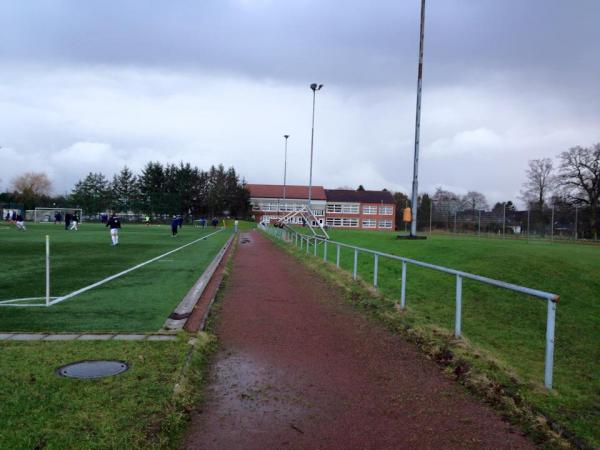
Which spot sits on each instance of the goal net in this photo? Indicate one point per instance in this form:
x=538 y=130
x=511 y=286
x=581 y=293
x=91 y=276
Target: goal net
x=53 y=214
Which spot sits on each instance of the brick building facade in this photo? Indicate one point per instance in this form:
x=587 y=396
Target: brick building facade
x=336 y=208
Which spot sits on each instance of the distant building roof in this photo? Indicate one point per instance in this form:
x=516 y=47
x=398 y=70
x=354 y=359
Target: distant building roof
x=347 y=195
x=291 y=191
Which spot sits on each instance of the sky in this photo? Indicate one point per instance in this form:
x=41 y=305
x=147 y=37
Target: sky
x=97 y=85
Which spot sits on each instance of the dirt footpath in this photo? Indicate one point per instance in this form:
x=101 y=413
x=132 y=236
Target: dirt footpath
x=298 y=368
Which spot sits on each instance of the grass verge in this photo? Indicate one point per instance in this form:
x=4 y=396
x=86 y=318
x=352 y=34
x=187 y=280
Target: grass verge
x=145 y=407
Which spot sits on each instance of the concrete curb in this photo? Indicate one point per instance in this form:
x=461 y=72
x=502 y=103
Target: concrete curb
x=86 y=337
x=176 y=321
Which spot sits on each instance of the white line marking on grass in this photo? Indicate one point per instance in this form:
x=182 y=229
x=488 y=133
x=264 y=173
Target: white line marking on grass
x=112 y=277
x=26 y=299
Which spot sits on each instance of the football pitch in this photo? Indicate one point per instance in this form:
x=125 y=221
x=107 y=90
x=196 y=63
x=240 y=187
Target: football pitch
x=508 y=326
x=138 y=301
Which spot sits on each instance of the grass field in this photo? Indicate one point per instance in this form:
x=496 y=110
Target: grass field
x=508 y=326
x=138 y=301
x=138 y=409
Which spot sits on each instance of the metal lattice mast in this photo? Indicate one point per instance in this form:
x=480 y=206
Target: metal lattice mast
x=415 y=185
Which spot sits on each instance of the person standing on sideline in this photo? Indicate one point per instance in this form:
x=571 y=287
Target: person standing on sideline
x=147 y=220
x=68 y=218
x=174 y=225
x=114 y=223
x=235 y=226
x=180 y=221
x=74 y=221
x=19 y=223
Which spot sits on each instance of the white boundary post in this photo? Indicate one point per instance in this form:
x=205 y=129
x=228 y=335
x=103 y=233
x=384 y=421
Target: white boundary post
x=403 y=289
x=549 y=363
x=458 y=313
x=375 y=269
x=325 y=251
x=47 y=270
x=355 y=264
x=337 y=256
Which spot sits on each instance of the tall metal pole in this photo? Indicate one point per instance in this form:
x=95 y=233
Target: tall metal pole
x=504 y=221
x=430 y=215
x=286 y=136
x=552 y=225
x=315 y=87
x=415 y=185
x=576 y=227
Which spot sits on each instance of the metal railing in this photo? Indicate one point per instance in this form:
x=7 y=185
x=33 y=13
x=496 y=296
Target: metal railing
x=304 y=242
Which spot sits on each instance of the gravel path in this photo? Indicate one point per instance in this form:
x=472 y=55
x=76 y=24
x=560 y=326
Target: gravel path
x=298 y=368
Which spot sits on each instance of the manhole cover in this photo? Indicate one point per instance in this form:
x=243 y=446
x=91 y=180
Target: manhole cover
x=92 y=369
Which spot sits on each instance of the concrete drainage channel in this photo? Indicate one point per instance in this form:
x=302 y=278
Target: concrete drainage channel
x=173 y=324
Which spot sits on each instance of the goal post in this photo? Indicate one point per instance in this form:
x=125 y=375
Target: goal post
x=49 y=215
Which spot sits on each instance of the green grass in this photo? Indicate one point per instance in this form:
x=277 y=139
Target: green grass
x=138 y=301
x=508 y=326
x=136 y=409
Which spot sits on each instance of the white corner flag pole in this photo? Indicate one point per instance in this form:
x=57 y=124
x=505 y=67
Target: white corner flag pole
x=47 y=270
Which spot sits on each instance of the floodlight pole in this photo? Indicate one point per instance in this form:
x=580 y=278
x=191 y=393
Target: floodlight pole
x=286 y=136
x=415 y=185
x=315 y=87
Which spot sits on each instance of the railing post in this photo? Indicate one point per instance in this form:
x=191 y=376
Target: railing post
x=324 y=250
x=315 y=243
x=549 y=364
x=375 y=269
x=355 y=263
x=403 y=288
x=337 y=256
x=301 y=243
x=457 y=317
x=308 y=246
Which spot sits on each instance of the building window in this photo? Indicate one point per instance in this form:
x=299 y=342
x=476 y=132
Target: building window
x=369 y=223
x=334 y=221
x=348 y=222
x=318 y=212
x=385 y=210
x=369 y=209
x=348 y=208
x=385 y=224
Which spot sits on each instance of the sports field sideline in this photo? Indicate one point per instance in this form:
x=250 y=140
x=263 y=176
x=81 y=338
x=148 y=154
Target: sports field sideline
x=137 y=301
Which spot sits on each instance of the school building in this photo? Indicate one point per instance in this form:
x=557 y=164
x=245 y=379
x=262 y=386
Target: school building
x=336 y=208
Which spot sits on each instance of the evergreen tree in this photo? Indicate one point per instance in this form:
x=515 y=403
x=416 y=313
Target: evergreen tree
x=124 y=191
x=92 y=194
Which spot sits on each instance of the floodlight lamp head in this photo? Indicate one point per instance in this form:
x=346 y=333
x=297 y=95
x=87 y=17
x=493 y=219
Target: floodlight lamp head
x=316 y=87
x=286 y=136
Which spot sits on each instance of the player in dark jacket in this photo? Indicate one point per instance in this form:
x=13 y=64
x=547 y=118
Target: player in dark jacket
x=114 y=223
x=174 y=225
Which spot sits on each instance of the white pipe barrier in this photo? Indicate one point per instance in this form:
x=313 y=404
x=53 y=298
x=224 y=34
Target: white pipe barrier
x=551 y=298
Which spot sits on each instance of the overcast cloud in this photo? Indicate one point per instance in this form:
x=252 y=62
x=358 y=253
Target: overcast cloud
x=96 y=85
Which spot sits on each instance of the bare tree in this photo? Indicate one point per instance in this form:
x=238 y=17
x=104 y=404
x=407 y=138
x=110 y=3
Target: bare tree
x=37 y=183
x=579 y=178
x=474 y=201
x=30 y=187
x=540 y=182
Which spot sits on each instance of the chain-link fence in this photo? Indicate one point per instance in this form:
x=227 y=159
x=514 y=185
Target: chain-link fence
x=557 y=222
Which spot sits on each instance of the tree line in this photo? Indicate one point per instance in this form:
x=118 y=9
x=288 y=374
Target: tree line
x=159 y=189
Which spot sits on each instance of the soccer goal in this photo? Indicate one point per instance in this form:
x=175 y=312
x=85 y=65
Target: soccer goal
x=52 y=214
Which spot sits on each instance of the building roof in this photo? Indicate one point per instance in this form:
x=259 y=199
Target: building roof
x=347 y=195
x=291 y=191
